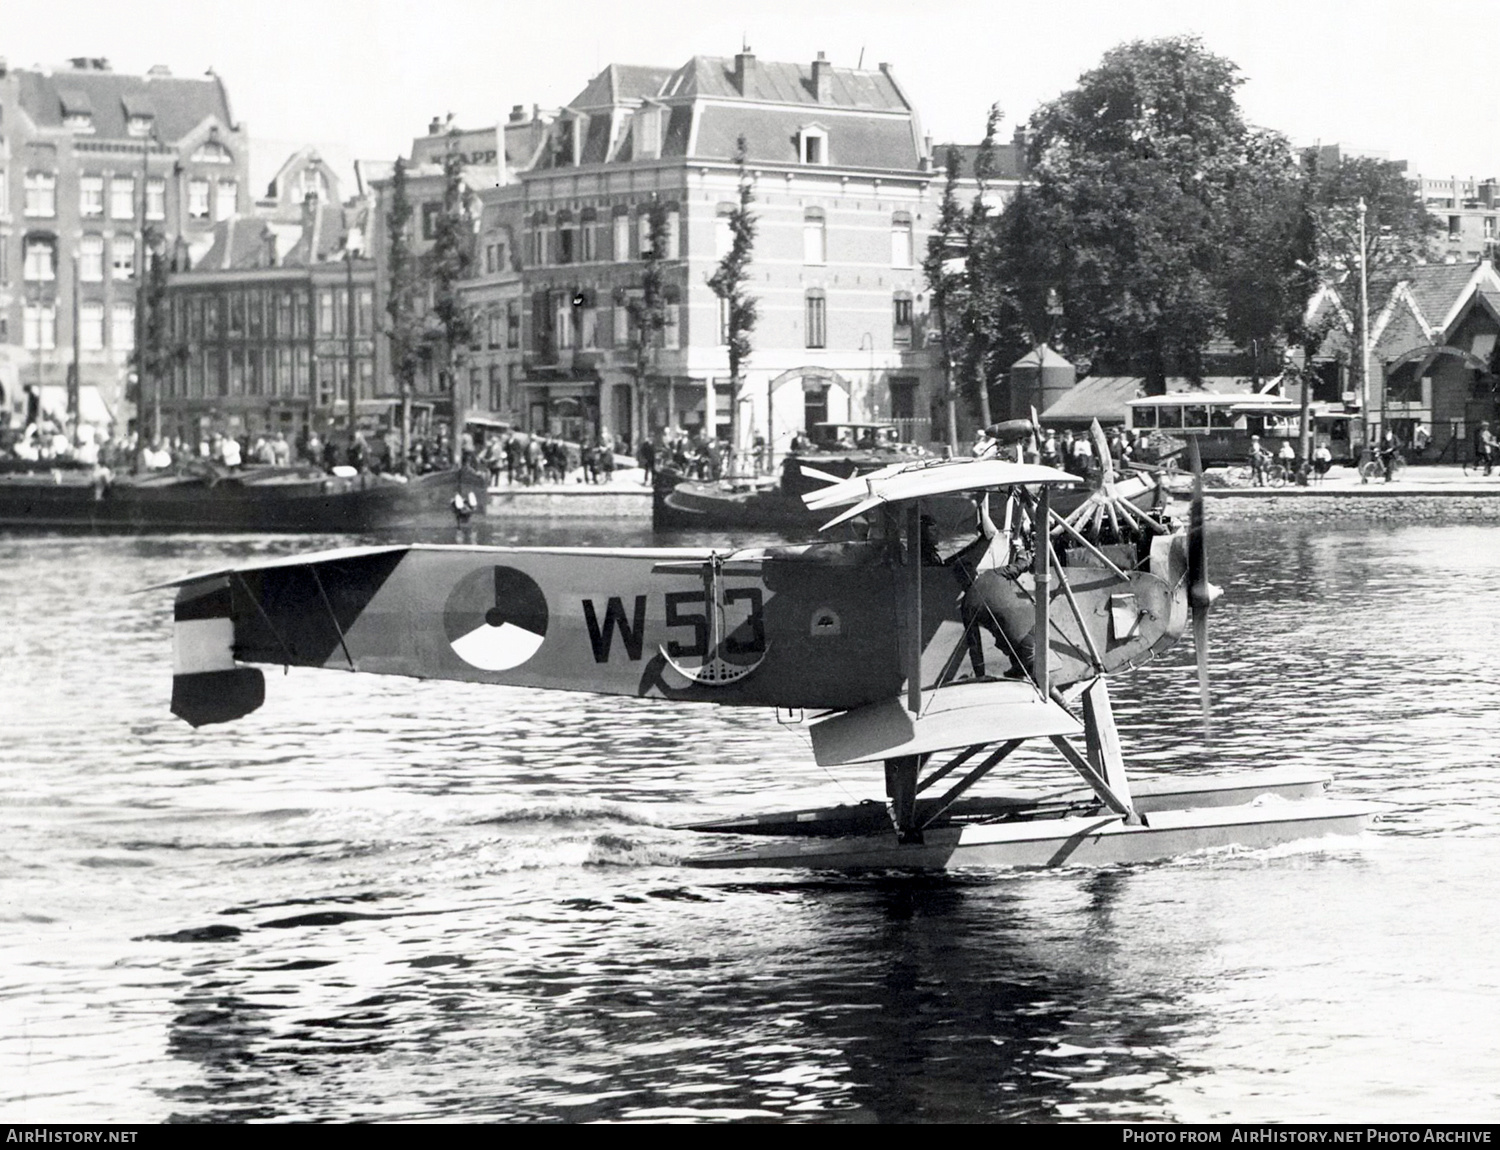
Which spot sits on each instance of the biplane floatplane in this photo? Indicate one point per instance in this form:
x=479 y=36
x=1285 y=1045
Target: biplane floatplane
x=937 y=665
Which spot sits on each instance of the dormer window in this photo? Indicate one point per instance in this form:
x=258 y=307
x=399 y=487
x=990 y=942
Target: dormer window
x=812 y=145
x=138 y=126
x=77 y=111
x=647 y=133
x=213 y=152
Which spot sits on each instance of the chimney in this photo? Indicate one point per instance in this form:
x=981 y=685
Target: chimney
x=435 y=127
x=517 y=114
x=822 y=77
x=159 y=70
x=744 y=71
x=268 y=246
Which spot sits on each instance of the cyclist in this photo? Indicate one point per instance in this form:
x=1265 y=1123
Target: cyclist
x=1260 y=459
x=1484 y=447
x=1388 y=453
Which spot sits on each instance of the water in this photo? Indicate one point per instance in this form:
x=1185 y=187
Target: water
x=377 y=899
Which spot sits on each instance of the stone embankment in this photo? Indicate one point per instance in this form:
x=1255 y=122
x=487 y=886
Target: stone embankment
x=1418 y=494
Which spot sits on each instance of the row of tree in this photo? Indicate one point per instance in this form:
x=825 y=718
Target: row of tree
x=1151 y=221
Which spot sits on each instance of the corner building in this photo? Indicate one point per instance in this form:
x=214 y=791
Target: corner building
x=844 y=196
x=88 y=157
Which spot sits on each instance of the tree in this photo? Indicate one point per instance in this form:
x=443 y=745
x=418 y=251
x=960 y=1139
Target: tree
x=449 y=262
x=729 y=283
x=1398 y=227
x=404 y=328
x=1132 y=177
x=157 y=354
x=646 y=309
x=981 y=320
x=945 y=282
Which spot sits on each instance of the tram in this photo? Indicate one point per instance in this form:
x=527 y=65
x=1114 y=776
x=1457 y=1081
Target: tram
x=1223 y=424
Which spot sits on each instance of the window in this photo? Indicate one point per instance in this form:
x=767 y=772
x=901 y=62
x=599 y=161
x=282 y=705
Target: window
x=91 y=326
x=122 y=258
x=489 y=259
x=430 y=212
x=588 y=236
x=122 y=198
x=41 y=194
x=237 y=371
x=211 y=318
x=325 y=312
x=496 y=387
x=476 y=387
x=91 y=259
x=91 y=196
x=492 y=325
x=138 y=125
x=284 y=317
x=901 y=240
x=812 y=146
x=213 y=152
x=674 y=227
x=364 y=310
x=156 y=199
x=40 y=327
x=622 y=238
x=225 y=201
x=284 y=370
x=566 y=238
x=236 y=317
x=723 y=321
x=122 y=326
x=671 y=336
x=4 y=195
x=643 y=233
x=817 y=319
x=40 y=258
x=723 y=233
x=814 y=237
x=198 y=199
x=513 y=323
x=901 y=320
x=1489 y=227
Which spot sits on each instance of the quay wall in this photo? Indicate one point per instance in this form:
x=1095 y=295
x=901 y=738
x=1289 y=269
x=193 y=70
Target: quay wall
x=1349 y=507
x=577 y=501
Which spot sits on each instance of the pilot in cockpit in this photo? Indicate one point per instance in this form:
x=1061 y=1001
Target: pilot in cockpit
x=989 y=571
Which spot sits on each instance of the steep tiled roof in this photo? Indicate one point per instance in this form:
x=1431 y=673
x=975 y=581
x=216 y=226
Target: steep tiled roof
x=619 y=82
x=771 y=136
x=786 y=83
x=178 y=105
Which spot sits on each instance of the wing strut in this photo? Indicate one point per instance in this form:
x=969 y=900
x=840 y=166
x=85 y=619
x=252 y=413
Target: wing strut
x=312 y=568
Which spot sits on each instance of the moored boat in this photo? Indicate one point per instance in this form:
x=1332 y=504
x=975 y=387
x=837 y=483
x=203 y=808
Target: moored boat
x=208 y=497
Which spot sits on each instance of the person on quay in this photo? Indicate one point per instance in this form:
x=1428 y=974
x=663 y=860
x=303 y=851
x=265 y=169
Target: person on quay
x=1259 y=459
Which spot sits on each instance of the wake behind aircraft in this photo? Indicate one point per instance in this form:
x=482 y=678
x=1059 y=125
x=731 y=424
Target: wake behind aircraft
x=937 y=657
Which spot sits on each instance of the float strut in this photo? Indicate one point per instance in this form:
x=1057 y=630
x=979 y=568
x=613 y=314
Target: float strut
x=901 y=789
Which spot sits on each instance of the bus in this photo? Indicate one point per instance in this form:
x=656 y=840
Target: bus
x=1223 y=424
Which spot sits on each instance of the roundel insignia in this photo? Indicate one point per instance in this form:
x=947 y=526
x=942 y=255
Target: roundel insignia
x=495 y=618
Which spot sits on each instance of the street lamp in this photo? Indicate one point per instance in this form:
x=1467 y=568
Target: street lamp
x=353 y=242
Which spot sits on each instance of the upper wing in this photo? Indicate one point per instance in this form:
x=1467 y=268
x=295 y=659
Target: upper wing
x=904 y=482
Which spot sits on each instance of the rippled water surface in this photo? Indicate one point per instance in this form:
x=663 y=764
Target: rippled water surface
x=381 y=899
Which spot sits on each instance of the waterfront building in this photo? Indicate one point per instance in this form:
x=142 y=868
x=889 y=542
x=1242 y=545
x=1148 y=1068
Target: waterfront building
x=85 y=154
x=275 y=323
x=844 y=195
x=1433 y=336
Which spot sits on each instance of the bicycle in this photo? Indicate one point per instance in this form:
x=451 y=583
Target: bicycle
x=1371 y=467
x=1477 y=467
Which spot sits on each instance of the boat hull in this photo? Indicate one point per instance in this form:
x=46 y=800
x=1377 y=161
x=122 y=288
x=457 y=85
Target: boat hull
x=232 y=503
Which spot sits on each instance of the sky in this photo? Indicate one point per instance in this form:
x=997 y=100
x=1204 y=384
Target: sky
x=362 y=77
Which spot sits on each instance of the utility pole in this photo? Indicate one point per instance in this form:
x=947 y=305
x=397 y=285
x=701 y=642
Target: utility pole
x=75 y=381
x=142 y=264
x=1364 y=328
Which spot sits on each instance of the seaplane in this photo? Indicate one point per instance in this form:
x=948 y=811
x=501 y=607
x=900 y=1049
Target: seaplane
x=936 y=657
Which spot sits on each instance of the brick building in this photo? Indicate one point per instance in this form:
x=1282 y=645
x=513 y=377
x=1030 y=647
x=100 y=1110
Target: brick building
x=85 y=152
